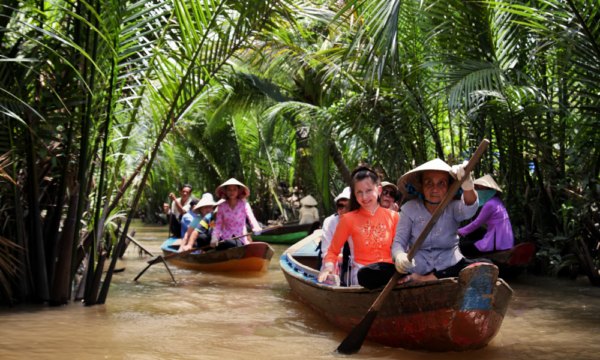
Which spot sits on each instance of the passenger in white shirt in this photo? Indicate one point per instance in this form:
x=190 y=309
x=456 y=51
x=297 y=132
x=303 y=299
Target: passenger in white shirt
x=330 y=223
x=178 y=207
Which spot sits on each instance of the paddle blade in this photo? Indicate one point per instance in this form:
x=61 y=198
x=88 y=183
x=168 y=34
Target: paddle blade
x=353 y=342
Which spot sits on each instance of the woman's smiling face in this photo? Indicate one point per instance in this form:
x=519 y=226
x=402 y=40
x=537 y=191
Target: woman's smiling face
x=367 y=192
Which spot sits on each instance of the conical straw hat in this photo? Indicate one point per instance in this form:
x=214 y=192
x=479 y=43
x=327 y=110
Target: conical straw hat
x=487 y=181
x=243 y=193
x=206 y=200
x=344 y=195
x=413 y=177
x=308 y=201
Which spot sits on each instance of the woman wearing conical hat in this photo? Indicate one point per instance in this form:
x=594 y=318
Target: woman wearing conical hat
x=308 y=212
x=232 y=215
x=498 y=235
x=439 y=256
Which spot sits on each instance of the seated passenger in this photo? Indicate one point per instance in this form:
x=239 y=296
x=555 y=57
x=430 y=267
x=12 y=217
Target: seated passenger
x=308 y=212
x=203 y=211
x=368 y=228
x=331 y=223
x=439 y=256
x=388 y=196
x=232 y=215
x=499 y=235
x=187 y=218
x=178 y=207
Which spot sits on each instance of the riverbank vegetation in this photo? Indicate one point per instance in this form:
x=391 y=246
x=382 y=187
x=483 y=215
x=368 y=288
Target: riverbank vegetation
x=106 y=106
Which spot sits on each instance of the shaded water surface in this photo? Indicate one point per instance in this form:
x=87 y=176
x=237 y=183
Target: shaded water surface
x=214 y=316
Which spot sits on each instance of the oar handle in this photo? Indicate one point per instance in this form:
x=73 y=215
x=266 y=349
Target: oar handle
x=252 y=232
x=449 y=196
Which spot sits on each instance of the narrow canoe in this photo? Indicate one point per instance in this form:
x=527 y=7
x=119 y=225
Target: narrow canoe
x=289 y=234
x=454 y=314
x=511 y=262
x=255 y=256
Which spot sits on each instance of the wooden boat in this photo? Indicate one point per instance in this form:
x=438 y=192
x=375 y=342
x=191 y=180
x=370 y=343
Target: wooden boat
x=288 y=234
x=255 y=256
x=511 y=262
x=454 y=314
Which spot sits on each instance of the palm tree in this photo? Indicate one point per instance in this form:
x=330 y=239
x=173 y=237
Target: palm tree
x=76 y=80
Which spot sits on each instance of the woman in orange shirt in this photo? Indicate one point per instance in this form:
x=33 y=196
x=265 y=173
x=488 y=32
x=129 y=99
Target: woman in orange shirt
x=372 y=228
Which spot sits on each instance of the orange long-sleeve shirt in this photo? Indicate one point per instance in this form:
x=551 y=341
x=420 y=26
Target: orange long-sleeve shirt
x=372 y=236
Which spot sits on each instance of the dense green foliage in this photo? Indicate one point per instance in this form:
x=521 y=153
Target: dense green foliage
x=287 y=94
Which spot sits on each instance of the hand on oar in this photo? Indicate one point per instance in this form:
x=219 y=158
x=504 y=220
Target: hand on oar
x=353 y=342
x=254 y=231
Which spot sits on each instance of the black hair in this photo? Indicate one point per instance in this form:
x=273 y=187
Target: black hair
x=186 y=185
x=358 y=174
x=194 y=202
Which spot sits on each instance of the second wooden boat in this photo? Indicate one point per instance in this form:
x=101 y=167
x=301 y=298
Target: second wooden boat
x=287 y=234
x=454 y=314
x=511 y=262
x=255 y=256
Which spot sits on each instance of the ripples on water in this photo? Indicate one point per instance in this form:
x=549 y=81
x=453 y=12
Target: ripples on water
x=241 y=316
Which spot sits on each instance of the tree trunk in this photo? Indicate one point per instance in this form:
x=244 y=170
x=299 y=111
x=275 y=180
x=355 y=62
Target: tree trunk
x=579 y=248
x=127 y=242
x=36 y=248
x=93 y=293
x=62 y=274
x=52 y=234
x=338 y=160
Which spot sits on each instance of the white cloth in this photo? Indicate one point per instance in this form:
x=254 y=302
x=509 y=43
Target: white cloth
x=308 y=215
x=186 y=207
x=354 y=273
x=329 y=226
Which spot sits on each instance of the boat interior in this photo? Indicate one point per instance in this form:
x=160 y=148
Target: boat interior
x=302 y=257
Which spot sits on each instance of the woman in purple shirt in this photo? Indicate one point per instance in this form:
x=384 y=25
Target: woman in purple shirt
x=499 y=235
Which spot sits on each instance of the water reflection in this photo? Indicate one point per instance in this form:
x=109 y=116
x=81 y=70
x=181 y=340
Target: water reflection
x=243 y=316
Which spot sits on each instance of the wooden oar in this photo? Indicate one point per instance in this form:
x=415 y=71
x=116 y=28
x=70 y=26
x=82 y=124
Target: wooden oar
x=353 y=342
x=163 y=259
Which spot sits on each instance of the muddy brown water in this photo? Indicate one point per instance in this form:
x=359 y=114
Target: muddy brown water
x=237 y=316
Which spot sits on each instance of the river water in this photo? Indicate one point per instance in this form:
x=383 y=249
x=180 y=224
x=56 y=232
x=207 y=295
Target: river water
x=236 y=316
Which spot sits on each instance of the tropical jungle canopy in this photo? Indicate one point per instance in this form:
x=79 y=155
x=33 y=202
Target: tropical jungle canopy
x=107 y=106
